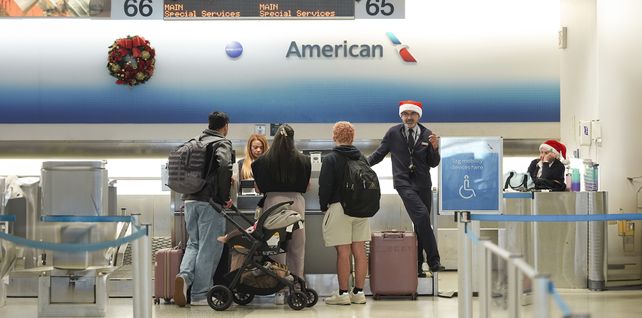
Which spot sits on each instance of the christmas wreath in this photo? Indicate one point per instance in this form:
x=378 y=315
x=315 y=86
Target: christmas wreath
x=131 y=60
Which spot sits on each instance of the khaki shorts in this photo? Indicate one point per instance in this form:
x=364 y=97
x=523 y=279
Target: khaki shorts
x=341 y=229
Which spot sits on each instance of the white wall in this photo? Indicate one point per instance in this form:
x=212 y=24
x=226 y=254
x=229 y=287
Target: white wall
x=600 y=74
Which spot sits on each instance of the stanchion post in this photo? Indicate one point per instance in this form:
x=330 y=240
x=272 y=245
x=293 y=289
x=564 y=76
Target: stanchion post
x=142 y=253
x=464 y=260
x=484 y=279
x=136 y=264
x=513 y=286
x=542 y=299
x=146 y=273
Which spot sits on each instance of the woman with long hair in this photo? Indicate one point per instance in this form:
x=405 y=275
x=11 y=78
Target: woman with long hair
x=283 y=174
x=256 y=146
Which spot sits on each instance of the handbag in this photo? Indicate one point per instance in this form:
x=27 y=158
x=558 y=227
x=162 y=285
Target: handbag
x=517 y=181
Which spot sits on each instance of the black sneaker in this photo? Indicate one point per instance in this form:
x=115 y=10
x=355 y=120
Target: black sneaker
x=421 y=274
x=437 y=268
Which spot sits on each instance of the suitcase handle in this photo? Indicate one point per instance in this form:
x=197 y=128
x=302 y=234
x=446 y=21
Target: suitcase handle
x=393 y=235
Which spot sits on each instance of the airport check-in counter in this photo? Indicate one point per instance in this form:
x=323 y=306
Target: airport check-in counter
x=320 y=261
x=573 y=253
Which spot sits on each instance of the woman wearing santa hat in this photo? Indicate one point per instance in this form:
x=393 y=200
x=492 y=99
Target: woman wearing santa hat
x=548 y=170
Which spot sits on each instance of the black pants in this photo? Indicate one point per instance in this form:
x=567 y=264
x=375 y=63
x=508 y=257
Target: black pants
x=418 y=205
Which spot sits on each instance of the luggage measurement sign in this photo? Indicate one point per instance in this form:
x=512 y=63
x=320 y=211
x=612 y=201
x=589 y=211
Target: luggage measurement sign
x=470 y=174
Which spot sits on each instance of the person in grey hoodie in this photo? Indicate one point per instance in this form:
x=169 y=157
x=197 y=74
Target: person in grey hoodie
x=347 y=234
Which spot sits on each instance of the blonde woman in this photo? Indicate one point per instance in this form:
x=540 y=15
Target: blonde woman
x=256 y=146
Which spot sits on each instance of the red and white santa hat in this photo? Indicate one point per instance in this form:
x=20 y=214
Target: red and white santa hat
x=557 y=148
x=410 y=105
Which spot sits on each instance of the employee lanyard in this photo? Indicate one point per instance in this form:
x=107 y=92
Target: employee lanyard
x=411 y=148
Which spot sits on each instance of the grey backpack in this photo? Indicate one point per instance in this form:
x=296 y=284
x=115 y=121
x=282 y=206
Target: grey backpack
x=188 y=165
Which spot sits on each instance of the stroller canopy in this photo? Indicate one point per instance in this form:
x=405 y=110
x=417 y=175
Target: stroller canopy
x=278 y=217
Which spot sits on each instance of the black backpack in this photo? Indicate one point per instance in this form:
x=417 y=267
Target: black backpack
x=360 y=192
x=188 y=165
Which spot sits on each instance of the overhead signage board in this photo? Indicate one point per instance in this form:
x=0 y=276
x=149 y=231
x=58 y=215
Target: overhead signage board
x=380 y=9
x=258 y=9
x=137 y=9
x=470 y=174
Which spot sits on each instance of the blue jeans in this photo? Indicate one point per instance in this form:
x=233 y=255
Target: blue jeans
x=203 y=251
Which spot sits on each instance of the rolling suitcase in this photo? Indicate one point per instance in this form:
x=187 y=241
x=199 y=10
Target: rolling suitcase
x=393 y=264
x=168 y=262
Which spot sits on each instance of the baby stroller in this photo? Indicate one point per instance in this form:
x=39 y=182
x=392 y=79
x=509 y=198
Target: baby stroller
x=259 y=274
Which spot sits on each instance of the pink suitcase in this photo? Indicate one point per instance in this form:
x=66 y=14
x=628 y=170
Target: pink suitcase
x=168 y=262
x=393 y=264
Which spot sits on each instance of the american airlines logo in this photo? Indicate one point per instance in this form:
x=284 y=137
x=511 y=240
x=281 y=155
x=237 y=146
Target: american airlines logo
x=401 y=49
x=348 y=50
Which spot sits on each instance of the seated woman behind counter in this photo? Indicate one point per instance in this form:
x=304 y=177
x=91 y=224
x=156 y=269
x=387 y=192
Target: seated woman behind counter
x=548 y=170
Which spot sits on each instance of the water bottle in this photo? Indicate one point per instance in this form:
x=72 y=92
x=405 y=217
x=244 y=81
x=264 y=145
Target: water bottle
x=595 y=176
x=575 y=180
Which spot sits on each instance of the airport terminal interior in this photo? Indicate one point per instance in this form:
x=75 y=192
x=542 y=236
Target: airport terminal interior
x=95 y=94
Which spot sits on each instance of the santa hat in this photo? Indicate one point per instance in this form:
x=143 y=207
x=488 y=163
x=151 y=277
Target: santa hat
x=410 y=105
x=557 y=148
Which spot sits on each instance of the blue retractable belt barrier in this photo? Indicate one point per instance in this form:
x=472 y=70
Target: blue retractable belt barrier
x=556 y=218
x=566 y=311
x=90 y=219
x=68 y=247
x=518 y=195
x=7 y=218
x=471 y=235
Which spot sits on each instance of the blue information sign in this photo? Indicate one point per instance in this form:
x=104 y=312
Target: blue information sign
x=470 y=174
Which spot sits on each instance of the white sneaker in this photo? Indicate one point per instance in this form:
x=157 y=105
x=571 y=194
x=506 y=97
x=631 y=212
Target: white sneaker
x=202 y=302
x=358 y=298
x=180 y=291
x=279 y=298
x=336 y=299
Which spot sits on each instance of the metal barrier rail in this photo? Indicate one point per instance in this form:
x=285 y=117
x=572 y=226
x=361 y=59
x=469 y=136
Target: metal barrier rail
x=141 y=249
x=543 y=287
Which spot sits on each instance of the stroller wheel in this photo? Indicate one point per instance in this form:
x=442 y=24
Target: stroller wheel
x=242 y=298
x=219 y=297
x=312 y=297
x=297 y=300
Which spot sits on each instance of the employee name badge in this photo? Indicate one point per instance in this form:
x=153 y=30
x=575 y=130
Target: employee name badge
x=274 y=240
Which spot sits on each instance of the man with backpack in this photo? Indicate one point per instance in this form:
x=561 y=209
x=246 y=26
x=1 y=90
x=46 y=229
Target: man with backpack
x=414 y=149
x=210 y=156
x=348 y=194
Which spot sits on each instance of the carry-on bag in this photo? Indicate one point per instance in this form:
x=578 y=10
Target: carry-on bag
x=393 y=264
x=168 y=263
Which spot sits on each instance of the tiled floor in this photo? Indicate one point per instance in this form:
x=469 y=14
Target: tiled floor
x=620 y=304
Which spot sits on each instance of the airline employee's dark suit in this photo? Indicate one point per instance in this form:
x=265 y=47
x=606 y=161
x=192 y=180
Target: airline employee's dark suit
x=414 y=187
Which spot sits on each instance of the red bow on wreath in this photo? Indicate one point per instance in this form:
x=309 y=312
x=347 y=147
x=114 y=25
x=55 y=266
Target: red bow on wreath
x=131 y=60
